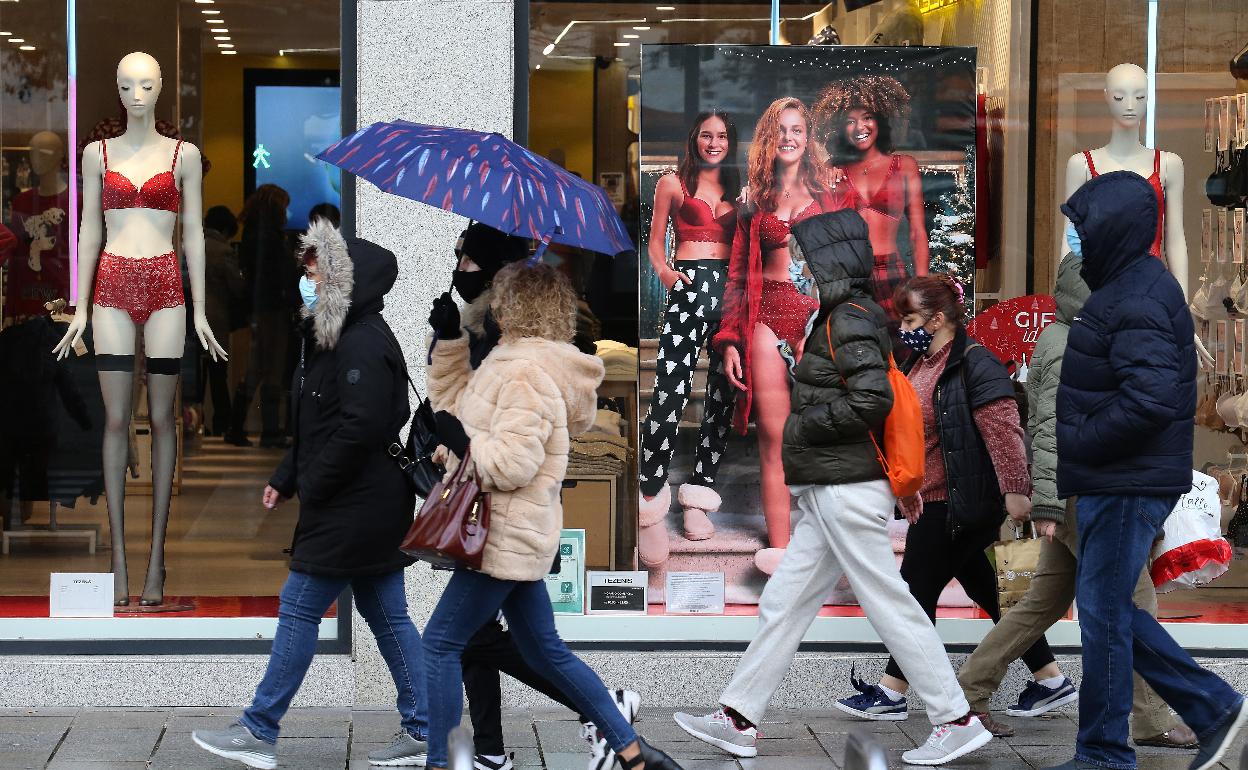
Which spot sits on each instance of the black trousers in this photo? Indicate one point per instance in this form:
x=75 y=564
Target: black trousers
x=490 y=651
x=933 y=558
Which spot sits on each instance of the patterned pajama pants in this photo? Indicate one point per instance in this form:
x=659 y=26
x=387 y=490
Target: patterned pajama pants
x=692 y=319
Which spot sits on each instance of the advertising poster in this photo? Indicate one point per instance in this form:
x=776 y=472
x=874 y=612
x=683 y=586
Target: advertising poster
x=738 y=142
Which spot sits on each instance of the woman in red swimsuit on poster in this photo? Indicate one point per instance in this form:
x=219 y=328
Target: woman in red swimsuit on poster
x=764 y=313
x=856 y=119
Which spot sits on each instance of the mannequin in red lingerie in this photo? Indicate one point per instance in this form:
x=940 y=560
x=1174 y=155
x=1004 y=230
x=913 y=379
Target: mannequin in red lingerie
x=135 y=186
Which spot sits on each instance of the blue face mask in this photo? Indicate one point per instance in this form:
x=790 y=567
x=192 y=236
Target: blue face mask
x=307 y=290
x=1073 y=240
x=918 y=339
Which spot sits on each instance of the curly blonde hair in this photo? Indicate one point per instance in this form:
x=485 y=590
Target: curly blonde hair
x=533 y=301
x=881 y=94
x=763 y=148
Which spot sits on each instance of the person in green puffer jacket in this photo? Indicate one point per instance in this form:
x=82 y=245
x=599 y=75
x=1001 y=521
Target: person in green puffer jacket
x=839 y=397
x=1053 y=588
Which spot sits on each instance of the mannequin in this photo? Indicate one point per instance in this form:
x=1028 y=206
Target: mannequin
x=135 y=186
x=39 y=270
x=1126 y=92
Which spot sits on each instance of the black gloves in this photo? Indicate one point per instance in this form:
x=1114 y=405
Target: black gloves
x=444 y=317
x=451 y=433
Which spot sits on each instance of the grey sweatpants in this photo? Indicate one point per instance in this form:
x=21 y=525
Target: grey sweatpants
x=843 y=530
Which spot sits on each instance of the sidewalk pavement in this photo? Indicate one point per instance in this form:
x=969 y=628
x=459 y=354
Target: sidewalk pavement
x=338 y=739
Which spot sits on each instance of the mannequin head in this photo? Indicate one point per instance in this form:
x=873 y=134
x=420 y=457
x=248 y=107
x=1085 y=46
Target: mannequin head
x=47 y=151
x=1126 y=94
x=138 y=84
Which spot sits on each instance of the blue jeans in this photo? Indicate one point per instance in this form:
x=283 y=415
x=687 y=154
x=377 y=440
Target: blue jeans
x=1116 y=534
x=470 y=600
x=304 y=601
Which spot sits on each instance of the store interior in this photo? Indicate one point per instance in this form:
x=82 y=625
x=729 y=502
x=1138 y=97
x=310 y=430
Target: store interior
x=237 y=75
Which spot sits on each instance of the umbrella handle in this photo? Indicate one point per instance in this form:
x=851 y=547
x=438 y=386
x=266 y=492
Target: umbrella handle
x=432 y=344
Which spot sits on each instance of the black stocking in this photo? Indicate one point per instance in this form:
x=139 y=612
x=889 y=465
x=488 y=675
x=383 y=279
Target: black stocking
x=115 y=387
x=162 y=390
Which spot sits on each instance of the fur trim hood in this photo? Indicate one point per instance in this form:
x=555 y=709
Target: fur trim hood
x=356 y=275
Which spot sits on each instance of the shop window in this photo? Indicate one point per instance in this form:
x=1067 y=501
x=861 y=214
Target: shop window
x=613 y=89
x=254 y=86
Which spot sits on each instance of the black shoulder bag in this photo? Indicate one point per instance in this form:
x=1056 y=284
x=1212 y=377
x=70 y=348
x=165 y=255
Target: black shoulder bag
x=415 y=456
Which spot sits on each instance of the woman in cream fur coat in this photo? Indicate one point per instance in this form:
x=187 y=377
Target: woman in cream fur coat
x=518 y=411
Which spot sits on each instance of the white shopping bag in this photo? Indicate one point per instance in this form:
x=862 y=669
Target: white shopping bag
x=1192 y=551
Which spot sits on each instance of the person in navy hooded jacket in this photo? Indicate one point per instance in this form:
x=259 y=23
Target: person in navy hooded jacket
x=1125 y=412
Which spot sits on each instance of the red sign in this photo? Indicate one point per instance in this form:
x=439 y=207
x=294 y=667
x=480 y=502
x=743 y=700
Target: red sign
x=1010 y=328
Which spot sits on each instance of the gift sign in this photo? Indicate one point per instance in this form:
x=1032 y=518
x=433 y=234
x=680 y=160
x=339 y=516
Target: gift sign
x=1010 y=328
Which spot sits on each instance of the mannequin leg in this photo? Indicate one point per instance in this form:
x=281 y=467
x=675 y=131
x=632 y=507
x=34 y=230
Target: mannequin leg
x=163 y=338
x=114 y=336
x=769 y=378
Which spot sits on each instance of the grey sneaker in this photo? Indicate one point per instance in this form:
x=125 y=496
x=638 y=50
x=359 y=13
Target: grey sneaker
x=236 y=742
x=948 y=742
x=403 y=751
x=718 y=730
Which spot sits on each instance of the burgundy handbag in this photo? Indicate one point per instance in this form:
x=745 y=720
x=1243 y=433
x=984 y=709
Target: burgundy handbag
x=452 y=524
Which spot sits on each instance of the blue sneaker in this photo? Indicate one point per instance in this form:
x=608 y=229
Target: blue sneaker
x=872 y=703
x=1037 y=699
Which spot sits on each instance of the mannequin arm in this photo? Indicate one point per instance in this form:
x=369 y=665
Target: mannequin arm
x=1175 y=242
x=191 y=180
x=90 y=241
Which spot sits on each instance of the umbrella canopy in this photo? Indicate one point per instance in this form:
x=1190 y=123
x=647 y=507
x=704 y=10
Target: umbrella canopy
x=486 y=177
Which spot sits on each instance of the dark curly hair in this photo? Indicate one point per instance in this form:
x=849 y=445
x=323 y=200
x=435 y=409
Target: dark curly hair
x=883 y=95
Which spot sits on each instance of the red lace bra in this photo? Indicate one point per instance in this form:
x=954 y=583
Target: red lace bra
x=889 y=199
x=696 y=221
x=159 y=192
x=773 y=232
x=1158 y=190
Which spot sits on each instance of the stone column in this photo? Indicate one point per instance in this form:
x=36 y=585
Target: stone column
x=443 y=62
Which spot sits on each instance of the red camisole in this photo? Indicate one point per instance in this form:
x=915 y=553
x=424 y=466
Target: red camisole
x=773 y=232
x=889 y=199
x=695 y=221
x=1158 y=190
x=159 y=192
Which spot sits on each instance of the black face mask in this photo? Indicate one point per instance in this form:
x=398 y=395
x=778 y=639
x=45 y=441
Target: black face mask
x=470 y=285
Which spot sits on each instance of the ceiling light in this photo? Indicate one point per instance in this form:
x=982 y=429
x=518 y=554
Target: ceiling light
x=549 y=47
x=5 y=34
x=630 y=37
x=25 y=48
x=229 y=53
x=641 y=29
x=210 y=11
x=539 y=66
x=17 y=40
x=219 y=31
x=205 y=2
x=665 y=8
x=226 y=38
x=225 y=45
x=622 y=45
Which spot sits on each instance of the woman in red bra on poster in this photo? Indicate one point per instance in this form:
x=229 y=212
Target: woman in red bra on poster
x=856 y=119
x=765 y=316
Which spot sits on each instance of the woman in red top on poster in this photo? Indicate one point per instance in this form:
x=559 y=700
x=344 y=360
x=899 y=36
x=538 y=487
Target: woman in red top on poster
x=765 y=316
x=856 y=118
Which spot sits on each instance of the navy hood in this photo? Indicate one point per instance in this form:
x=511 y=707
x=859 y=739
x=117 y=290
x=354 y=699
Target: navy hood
x=1115 y=215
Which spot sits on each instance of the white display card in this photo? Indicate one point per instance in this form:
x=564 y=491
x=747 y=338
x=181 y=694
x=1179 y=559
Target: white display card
x=1221 y=359
x=1220 y=236
x=81 y=595
x=1210 y=118
x=1237 y=235
x=695 y=593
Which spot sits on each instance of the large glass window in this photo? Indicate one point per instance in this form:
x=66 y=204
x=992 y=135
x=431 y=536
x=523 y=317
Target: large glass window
x=253 y=85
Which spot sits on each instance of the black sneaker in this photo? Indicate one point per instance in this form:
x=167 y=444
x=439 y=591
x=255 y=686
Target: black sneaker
x=482 y=762
x=1037 y=699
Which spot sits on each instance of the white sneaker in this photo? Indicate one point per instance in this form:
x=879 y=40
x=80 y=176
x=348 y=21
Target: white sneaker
x=948 y=742
x=601 y=756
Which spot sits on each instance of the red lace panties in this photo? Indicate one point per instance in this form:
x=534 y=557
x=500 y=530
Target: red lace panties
x=138 y=286
x=786 y=311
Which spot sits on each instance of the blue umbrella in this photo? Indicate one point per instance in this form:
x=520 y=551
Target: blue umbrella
x=485 y=177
